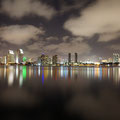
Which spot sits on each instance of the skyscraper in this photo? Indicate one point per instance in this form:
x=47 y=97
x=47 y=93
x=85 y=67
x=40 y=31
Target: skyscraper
x=69 y=57
x=54 y=59
x=10 y=57
x=19 y=56
x=4 y=60
x=43 y=60
x=76 y=57
x=116 y=57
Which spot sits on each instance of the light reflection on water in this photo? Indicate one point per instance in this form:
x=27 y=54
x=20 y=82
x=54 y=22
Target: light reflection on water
x=23 y=73
x=11 y=73
x=90 y=92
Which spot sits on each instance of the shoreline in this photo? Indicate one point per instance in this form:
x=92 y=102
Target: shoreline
x=65 y=66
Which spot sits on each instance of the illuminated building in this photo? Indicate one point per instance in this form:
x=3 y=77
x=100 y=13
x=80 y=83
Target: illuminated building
x=19 y=56
x=10 y=57
x=54 y=59
x=4 y=60
x=76 y=57
x=110 y=60
x=69 y=57
x=24 y=59
x=116 y=57
x=50 y=61
x=43 y=60
x=104 y=61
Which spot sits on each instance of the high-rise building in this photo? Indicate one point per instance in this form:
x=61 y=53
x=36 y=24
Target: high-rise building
x=69 y=57
x=43 y=60
x=116 y=57
x=19 y=56
x=110 y=60
x=50 y=61
x=76 y=57
x=10 y=57
x=4 y=60
x=54 y=59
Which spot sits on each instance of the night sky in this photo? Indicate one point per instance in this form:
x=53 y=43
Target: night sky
x=88 y=27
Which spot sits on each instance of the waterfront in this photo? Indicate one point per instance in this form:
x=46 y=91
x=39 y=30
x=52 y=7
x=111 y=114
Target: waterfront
x=60 y=92
x=22 y=74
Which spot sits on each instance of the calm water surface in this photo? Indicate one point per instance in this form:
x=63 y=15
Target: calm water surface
x=23 y=74
x=60 y=92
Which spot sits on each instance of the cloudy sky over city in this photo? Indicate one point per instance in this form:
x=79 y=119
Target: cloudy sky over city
x=89 y=27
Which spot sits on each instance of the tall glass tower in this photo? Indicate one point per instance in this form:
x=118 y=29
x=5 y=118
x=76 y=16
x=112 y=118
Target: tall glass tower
x=76 y=57
x=69 y=57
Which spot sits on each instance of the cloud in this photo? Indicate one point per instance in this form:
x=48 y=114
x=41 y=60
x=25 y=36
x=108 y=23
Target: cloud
x=72 y=47
x=36 y=46
x=115 y=47
x=76 y=39
x=51 y=38
x=106 y=37
x=99 y=18
x=19 y=34
x=42 y=43
x=20 y=8
x=62 y=48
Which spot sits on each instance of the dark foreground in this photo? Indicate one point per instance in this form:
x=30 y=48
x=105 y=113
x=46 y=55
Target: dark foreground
x=59 y=93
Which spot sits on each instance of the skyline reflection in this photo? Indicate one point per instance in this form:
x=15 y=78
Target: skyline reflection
x=23 y=73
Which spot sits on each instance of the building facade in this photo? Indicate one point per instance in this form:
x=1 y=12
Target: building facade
x=4 y=60
x=54 y=59
x=69 y=57
x=76 y=57
x=116 y=57
x=43 y=60
x=19 y=56
x=10 y=57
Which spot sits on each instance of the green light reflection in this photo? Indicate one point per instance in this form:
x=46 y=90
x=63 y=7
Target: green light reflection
x=24 y=72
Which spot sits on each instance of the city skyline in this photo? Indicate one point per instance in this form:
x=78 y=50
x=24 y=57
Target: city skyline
x=19 y=58
x=87 y=27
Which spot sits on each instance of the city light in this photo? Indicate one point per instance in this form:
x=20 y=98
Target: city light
x=18 y=57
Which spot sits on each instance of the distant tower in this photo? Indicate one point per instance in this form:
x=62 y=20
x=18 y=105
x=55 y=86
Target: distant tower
x=19 y=56
x=10 y=57
x=69 y=57
x=76 y=57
